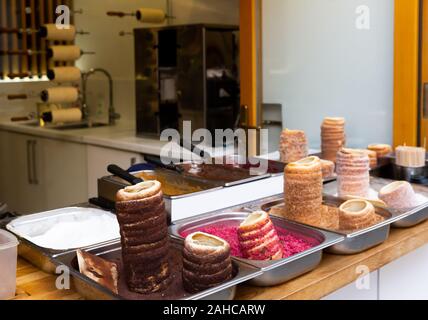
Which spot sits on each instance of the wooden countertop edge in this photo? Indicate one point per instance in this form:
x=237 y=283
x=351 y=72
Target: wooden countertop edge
x=336 y=272
x=333 y=273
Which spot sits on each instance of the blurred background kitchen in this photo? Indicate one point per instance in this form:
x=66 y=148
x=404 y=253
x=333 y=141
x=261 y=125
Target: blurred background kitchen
x=72 y=102
x=260 y=64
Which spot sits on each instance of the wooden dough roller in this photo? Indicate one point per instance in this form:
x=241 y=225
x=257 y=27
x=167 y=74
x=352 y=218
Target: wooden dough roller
x=65 y=53
x=53 y=33
x=65 y=116
x=64 y=74
x=146 y=15
x=60 y=95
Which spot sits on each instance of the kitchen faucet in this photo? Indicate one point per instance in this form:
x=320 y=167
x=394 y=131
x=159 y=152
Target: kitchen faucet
x=113 y=116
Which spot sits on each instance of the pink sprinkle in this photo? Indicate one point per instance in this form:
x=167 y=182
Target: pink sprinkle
x=291 y=244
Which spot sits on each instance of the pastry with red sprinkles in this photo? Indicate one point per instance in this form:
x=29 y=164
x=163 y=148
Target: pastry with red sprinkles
x=258 y=238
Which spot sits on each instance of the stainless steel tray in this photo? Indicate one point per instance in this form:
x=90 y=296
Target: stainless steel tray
x=246 y=177
x=274 y=272
x=354 y=242
x=39 y=256
x=405 y=218
x=93 y=291
x=109 y=185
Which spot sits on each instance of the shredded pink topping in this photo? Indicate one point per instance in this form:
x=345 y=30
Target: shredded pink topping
x=291 y=244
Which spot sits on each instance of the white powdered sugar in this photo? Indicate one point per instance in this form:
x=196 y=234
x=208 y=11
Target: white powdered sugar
x=68 y=228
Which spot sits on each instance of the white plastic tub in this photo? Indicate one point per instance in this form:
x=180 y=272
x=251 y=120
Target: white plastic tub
x=8 y=260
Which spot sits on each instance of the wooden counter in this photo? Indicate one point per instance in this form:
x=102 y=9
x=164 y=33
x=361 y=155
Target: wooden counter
x=333 y=273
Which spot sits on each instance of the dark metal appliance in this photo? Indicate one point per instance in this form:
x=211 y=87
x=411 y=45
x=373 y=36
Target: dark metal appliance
x=186 y=73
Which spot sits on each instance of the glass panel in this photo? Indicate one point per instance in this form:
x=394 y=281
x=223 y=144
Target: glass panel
x=331 y=58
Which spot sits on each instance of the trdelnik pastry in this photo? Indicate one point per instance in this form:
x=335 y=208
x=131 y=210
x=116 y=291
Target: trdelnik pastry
x=382 y=150
x=399 y=195
x=372 y=157
x=333 y=137
x=353 y=173
x=328 y=168
x=293 y=145
x=303 y=191
x=206 y=262
x=357 y=214
x=258 y=238
x=144 y=235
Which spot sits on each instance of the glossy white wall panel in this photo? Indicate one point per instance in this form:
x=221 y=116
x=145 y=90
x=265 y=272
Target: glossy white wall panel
x=317 y=63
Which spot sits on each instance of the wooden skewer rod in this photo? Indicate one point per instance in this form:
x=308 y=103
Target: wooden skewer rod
x=31 y=31
x=125 y=33
x=19 y=75
x=120 y=14
x=32 y=53
x=22 y=96
x=137 y=14
x=29 y=10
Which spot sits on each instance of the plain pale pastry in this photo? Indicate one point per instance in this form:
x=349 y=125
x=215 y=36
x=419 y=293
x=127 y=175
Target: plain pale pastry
x=356 y=215
x=399 y=195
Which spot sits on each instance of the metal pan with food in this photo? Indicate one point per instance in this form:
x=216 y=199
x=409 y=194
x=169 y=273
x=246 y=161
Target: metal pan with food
x=108 y=259
x=407 y=202
x=214 y=171
x=46 y=234
x=298 y=248
x=203 y=199
x=363 y=224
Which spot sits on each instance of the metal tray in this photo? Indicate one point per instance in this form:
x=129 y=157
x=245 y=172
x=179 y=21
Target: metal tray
x=404 y=218
x=354 y=242
x=274 y=272
x=244 y=174
x=36 y=255
x=109 y=185
x=274 y=168
x=93 y=291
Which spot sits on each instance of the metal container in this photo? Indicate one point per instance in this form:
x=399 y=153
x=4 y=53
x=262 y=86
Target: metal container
x=200 y=202
x=274 y=272
x=354 y=242
x=410 y=217
x=36 y=255
x=392 y=171
x=93 y=291
x=224 y=174
x=403 y=218
x=108 y=186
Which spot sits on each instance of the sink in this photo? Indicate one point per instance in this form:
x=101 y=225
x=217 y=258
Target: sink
x=67 y=126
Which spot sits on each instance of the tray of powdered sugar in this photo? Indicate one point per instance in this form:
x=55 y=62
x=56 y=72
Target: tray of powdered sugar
x=58 y=231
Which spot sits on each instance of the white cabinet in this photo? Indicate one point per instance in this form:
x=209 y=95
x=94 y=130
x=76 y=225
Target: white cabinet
x=41 y=174
x=406 y=278
x=98 y=160
x=64 y=173
x=403 y=279
x=23 y=188
x=38 y=174
x=353 y=292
